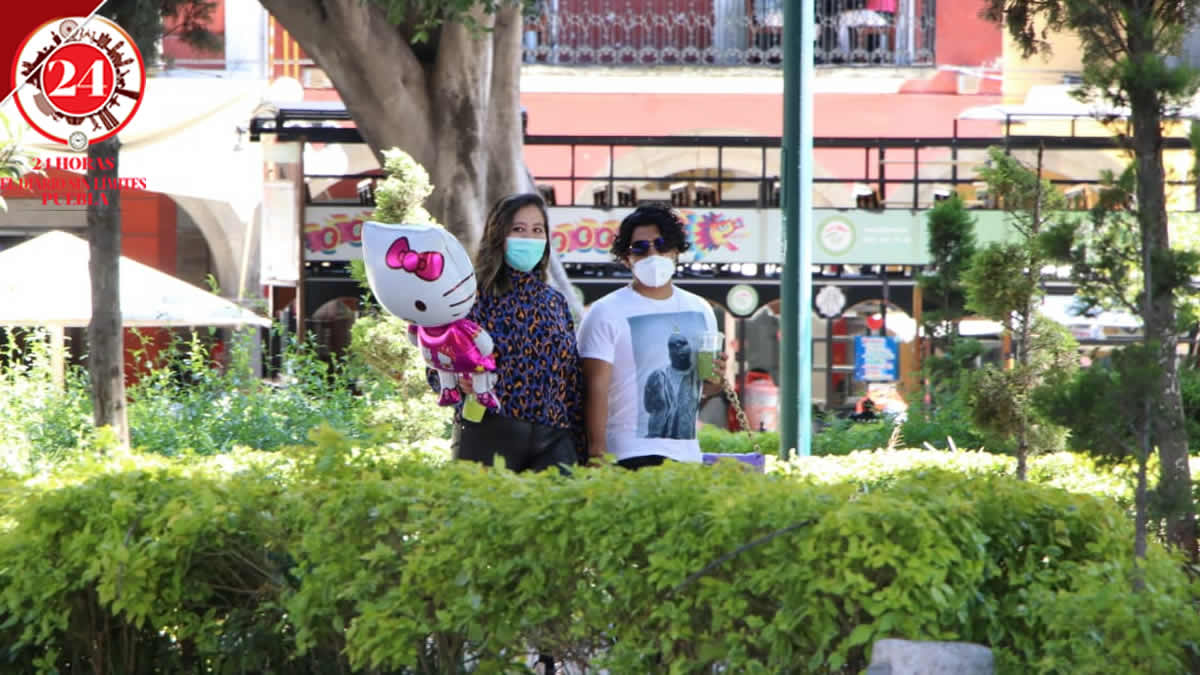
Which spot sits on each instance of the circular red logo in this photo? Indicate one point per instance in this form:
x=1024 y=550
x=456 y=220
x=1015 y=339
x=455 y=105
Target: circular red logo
x=78 y=83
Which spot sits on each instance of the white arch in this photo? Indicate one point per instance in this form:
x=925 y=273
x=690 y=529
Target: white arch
x=225 y=235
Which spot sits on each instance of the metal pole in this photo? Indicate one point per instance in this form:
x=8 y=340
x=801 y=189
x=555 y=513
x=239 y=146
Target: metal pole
x=302 y=200
x=797 y=152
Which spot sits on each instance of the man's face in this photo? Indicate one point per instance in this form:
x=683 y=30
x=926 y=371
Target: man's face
x=644 y=242
x=681 y=352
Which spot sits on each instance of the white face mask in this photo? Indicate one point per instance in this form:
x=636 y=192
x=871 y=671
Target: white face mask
x=654 y=271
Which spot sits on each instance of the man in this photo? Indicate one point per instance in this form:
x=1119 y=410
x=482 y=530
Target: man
x=641 y=404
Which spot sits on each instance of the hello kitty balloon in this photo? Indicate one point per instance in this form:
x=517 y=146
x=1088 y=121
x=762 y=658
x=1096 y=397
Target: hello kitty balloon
x=422 y=274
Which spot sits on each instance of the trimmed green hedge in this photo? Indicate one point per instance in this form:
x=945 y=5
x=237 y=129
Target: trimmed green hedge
x=331 y=557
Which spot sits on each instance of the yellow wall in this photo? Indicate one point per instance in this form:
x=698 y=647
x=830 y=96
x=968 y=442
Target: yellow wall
x=1065 y=56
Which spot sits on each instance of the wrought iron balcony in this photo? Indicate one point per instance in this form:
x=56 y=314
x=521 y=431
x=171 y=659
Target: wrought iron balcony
x=725 y=32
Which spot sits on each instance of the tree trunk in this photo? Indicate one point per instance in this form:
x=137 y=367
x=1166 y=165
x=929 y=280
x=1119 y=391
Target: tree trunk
x=453 y=104
x=1158 y=316
x=106 y=357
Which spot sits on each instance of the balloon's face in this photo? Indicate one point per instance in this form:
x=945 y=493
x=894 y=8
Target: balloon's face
x=420 y=273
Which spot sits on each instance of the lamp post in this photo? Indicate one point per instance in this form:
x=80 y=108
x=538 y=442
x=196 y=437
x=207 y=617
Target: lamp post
x=796 y=169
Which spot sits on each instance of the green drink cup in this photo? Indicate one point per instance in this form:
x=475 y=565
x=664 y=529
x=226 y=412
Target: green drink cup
x=710 y=346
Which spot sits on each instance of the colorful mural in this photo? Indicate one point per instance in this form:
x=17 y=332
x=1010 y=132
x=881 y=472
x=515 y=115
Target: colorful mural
x=585 y=235
x=334 y=234
x=593 y=231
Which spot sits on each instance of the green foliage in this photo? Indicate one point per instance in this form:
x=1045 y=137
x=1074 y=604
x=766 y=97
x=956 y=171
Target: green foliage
x=998 y=398
x=1189 y=389
x=951 y=247
x=185 y=404
x=714 y=439
x=1003 y=283
x=399 y=197
x=836 y=437
x=998 y=283
x=1104 y=250
x=423 y=18
x=1105 y=405
x=1164 y=625
x=39 y=422
x=1002 y=400
x=1002 y=279
x=843 y=436
x=947 y=416
x=1128 y=49
x=341 y=558
x=15 y=158
x=409 y=413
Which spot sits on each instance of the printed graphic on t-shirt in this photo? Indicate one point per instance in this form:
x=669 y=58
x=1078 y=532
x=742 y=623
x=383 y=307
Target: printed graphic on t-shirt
x=668 y=385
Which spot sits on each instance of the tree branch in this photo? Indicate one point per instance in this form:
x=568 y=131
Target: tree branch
x=378 y=76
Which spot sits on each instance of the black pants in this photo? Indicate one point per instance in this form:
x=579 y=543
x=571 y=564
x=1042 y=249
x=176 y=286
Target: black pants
x=641 y=462
x=525 y=446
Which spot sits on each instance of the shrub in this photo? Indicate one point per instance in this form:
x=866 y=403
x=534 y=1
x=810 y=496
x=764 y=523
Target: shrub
x=716 y=440
x=408 y=412
x=843 y=436
x=1096 y=626
x=39 y=421
x=1189 y=390
x=338 y=558
x=949 y=417
x=186 y=404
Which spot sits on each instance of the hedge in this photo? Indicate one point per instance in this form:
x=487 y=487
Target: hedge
x=335 y=558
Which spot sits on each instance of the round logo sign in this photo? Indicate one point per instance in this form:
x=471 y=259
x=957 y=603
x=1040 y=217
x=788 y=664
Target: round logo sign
x=830 y=301
x=836 y=236
x=742 y=299
x=81 y=84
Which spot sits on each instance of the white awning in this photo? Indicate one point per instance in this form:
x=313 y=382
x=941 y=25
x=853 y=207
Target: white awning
x=1055 y=101
x=45 y=282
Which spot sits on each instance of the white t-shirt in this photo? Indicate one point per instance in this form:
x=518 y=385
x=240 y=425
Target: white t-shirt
x=654 y=396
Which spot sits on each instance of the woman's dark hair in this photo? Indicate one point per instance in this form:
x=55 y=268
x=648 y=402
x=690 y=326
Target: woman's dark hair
x=670 y=227
x=490 y=269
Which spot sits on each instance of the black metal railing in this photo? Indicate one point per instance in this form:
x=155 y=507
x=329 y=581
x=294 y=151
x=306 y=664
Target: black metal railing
x=909 y=173
x=742 y=171
x=725 y=32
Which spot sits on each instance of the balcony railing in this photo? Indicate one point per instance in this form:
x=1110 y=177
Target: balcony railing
x=725 y=32
x=743 y=172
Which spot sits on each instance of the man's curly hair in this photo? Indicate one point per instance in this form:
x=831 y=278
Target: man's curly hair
x=670 y=225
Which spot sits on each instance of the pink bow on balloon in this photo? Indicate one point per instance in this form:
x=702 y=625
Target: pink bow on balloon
x=426 y=265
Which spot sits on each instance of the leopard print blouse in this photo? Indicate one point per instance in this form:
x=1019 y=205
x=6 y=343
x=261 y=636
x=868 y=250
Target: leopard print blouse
x=539 y=379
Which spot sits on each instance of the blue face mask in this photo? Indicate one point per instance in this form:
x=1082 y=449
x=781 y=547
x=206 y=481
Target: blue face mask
x=524 y=254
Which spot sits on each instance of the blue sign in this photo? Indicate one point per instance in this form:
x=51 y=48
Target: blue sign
x=876 y=359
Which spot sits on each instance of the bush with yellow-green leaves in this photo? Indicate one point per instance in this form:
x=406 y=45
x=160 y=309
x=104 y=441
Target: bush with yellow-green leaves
x=339 y=558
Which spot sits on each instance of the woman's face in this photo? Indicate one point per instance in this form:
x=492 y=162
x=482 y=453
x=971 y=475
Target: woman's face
x=528 y=223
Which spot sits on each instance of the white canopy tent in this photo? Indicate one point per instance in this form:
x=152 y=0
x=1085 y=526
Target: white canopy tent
x=1057 y=101
x=45 y=282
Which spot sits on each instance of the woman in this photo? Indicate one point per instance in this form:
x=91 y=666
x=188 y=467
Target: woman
x=538 y=382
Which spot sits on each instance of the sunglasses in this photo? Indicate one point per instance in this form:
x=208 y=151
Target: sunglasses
x=642 y=246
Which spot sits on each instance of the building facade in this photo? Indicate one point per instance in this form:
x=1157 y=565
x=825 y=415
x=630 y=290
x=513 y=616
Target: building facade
x=888 y=72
